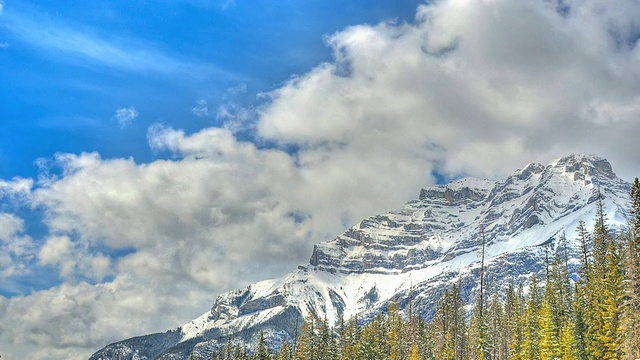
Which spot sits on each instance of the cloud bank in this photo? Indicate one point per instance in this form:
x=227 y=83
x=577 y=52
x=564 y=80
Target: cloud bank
x=470 y=88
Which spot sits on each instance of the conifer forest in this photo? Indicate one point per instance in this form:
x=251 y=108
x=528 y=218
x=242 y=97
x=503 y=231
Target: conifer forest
x=591 y=313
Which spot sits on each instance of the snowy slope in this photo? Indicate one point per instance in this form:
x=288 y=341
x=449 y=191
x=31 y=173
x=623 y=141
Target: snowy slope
x=413 y=253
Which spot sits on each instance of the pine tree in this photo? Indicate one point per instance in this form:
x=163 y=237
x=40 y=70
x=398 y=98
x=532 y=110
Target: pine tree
x=442 y=322
x=396 y=333
x=567 y=344
x=612 y=307
x=352 y=337
x=286 y=352
x=549 y=333
x=580 y=323
x=595 y=292
x=510 y=316
x=496 y=326
x=632 y=310
x=531 y=344
x=371 y=344
x=415 y=355
x=228 y=349
x=261 y=353
x=584 y=247
x=327 y=349
x=306 y=342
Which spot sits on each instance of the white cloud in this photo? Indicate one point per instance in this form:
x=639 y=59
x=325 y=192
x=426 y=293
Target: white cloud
x=460 y=86
x=236 y=90
x=80 y=43
x=4 y=45
x=73 y=259
x=125 y=116
x=9 y=226
x=16 y=248
x=235 y=117
x=476 y=88
x=16 y=187
x=201 y=109
x=58 y=251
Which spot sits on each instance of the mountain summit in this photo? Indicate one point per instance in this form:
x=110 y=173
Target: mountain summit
x=409 y=256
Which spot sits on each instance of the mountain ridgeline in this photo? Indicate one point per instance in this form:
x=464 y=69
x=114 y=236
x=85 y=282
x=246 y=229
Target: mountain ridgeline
x=408 y=260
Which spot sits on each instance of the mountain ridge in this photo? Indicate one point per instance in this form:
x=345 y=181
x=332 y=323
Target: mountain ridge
x=411 y=254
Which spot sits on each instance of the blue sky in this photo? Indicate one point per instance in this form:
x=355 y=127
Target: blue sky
x=68 y=67
x=94 y=76
x=154 y=154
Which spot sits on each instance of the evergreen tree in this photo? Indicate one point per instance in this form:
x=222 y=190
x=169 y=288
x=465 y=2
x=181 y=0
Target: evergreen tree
x=496 y=326
x=326 y=348
x=306 y=341
x=580 y=323
x=510 y=316
x=443 y=339
x=286 y=352
x=612 y=307
x=568 y=344
x=228 y=350
x=396 y=333
x=531 y=344
x=371 y=344
x=632 y=310
x=352 y=337
x=415 y=355
x=549 y=333
x=261 y=353
x=584 y=248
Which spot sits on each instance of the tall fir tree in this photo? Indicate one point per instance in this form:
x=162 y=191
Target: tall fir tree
x=531 y=344
x=612 y=307
x=632 y=309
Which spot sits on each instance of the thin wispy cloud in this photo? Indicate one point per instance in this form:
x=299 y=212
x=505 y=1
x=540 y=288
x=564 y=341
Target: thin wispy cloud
x=74 y=42
x=125 y=116
x=201 y=109
x=226 y=4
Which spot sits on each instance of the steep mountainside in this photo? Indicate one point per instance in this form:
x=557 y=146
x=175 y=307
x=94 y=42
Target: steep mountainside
x=411 y=254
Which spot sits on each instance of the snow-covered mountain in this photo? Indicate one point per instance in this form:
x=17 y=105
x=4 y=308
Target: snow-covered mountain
x=412 y=254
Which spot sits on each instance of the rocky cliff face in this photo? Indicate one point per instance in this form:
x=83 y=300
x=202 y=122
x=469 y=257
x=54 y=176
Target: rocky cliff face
x=413 y=253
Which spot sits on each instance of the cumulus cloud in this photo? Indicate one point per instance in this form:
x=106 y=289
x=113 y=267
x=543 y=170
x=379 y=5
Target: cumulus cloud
x=16 y=248
x=477 y=88
x=235 y=117
x=17 y=187
x=125 y=116
x=458 y=83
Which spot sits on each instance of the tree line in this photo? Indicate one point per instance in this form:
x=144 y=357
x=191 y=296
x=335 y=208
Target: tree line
x=591 y=314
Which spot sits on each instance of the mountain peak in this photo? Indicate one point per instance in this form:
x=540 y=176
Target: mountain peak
x=587 y=165
x=410 y=255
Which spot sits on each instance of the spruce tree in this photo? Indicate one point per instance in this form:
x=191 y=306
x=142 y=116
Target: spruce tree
x=549 y=332
x=516 y=349
x=632 y=310
x=531 y=344
x=595 y=292
x=262 y=352
x=612 y=307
